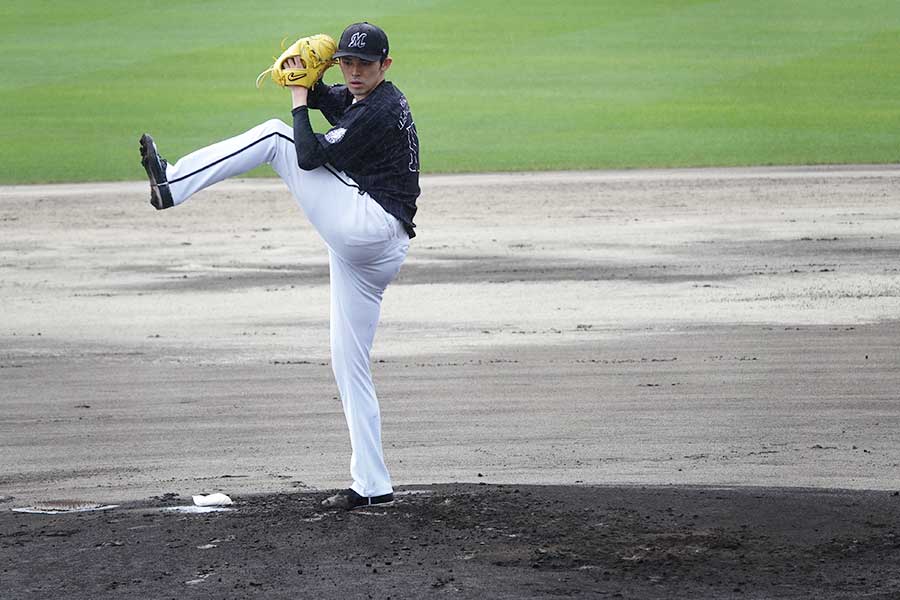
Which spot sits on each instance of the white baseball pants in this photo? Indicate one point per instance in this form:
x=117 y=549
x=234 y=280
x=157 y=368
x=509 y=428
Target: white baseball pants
x=366 y=247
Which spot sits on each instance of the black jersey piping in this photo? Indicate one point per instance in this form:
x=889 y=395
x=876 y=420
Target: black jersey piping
x=247 y=147
x=331 y=170
x=235 y=153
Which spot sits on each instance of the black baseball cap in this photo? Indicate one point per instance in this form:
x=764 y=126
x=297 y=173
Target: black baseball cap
x=363 y=40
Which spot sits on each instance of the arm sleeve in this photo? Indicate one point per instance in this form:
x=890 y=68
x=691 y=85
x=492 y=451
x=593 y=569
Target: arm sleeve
x=345 y=146
x=310 y=154
x=332 y=100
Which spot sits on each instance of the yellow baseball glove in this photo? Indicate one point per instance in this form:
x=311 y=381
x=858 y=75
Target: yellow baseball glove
x=315 y=51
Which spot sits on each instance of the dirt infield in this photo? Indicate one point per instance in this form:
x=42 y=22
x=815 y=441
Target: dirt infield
x=683 y=330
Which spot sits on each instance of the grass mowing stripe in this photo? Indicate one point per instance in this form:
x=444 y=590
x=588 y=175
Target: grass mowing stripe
x=532 y=85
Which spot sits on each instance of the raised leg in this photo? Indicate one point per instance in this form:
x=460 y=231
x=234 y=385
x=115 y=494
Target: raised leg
x=266 y=143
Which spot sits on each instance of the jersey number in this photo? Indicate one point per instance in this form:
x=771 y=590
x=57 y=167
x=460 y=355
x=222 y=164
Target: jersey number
x=413 y=138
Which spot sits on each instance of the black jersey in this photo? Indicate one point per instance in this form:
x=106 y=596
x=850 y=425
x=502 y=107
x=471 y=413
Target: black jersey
x=374 y=141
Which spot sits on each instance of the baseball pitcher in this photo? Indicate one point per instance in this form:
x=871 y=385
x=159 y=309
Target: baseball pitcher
x=357 y=184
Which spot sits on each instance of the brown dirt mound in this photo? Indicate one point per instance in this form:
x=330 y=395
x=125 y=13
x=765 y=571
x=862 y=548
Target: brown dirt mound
x=471 y=541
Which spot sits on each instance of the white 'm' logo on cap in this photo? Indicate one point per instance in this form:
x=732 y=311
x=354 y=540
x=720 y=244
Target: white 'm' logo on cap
x=357 y=40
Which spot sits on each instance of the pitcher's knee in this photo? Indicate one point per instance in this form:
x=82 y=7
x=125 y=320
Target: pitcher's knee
x=363 y=410
x=274 y=135
x=276 y=126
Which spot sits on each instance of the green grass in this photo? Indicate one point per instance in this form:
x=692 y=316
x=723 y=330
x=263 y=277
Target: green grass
x=534 y=84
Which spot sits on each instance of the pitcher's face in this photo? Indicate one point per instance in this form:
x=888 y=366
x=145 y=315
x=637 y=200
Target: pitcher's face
x=363 y=76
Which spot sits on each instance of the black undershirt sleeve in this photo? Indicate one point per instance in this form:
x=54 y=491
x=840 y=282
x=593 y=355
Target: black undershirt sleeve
x=310 y=154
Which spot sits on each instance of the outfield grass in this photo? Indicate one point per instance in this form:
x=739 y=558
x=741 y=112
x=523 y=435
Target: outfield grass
x=535 y=85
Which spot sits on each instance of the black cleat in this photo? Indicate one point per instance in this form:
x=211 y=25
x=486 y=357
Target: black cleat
x=348 y=500
x=155 y=165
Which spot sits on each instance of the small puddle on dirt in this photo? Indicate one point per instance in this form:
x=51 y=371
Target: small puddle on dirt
x=196 y=509
x=56 y=507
